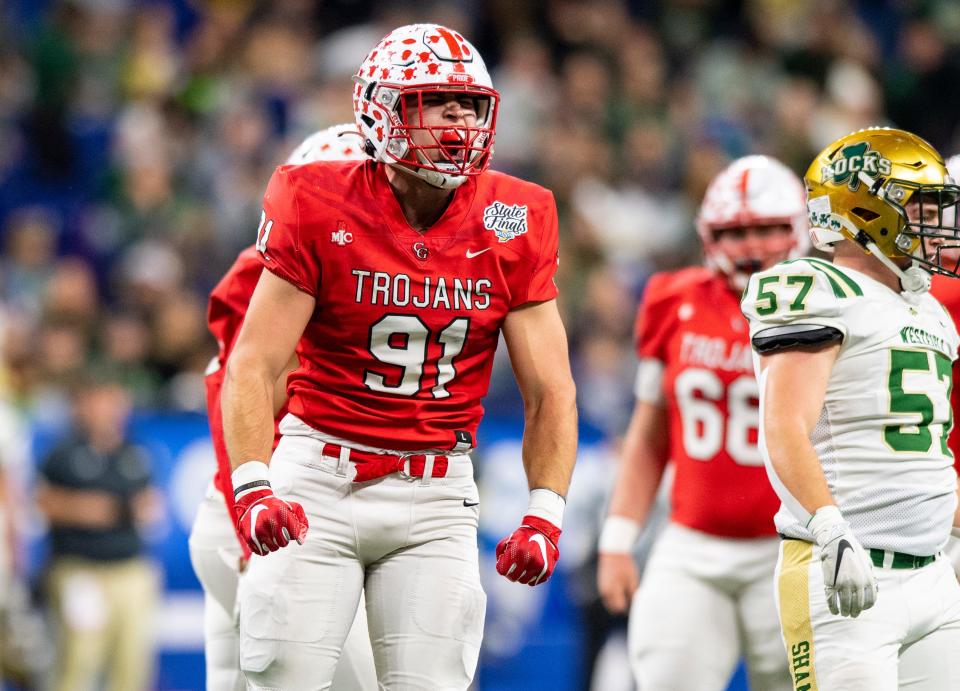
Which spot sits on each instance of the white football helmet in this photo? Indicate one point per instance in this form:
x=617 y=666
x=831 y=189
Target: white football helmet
x=751 y=191
x=411 y=61
x=336 y=143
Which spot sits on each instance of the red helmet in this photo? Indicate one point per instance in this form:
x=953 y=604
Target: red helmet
x=412 y=61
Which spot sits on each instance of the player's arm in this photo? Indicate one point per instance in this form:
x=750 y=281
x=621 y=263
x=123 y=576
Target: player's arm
x=280 y=385
x=793 y=387
x=643 y=459
x=537 y=343
x=275 y=320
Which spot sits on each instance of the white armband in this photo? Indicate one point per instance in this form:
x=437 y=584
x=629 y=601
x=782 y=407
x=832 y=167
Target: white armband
x=649 y=384
x=619 y=535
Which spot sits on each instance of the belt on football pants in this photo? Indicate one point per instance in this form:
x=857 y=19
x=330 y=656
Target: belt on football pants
x=887 y=559
x=371 y=466
x=884 y=558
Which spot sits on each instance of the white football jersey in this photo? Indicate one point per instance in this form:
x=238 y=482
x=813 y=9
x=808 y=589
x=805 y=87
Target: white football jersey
x=882 y=434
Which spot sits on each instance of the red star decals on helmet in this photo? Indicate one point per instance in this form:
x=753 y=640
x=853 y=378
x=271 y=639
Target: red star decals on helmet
x=408 y=73
x=424 y=56
x=433 y=68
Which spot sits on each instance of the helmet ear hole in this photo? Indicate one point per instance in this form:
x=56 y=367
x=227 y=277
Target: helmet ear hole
x=865 y=215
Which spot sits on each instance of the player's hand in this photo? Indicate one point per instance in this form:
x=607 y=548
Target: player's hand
x=529 y=554
x=617 y=581
x=264 y=521
x=848 y=580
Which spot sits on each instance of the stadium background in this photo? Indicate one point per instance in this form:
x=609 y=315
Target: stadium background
x=136 y=139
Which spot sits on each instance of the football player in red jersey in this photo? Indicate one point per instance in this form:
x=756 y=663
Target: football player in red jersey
x=399 y=274
x=707 y=595
x=948 y=293
x=217 y=552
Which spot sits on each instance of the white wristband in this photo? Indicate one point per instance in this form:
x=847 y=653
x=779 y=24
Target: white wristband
x=619 y=534
x=955 y=532
x=548 y=505
x=825 y=518
x=249 y=477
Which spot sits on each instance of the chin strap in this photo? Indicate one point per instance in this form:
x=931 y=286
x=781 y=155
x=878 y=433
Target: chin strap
x=443 y=181
x=914 y=279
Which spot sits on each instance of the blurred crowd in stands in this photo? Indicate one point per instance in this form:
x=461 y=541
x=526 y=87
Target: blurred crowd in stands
x=136 y=138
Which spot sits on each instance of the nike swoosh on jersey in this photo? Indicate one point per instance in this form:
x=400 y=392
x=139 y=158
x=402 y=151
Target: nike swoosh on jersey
x=541 y=542
x=471 y=254
x=842 y=546
x=470 y=503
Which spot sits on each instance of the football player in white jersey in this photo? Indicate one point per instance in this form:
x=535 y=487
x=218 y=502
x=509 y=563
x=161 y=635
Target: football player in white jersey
x=854 y=362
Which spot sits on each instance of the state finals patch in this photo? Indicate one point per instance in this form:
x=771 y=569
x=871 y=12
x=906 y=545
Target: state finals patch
x=507 y=221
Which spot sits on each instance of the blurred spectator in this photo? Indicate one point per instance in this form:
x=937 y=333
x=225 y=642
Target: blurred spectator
x=95 y=491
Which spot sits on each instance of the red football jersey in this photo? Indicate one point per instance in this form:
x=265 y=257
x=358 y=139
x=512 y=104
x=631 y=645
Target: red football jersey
x=947 y=291
x=399 y=349
x=690 y=328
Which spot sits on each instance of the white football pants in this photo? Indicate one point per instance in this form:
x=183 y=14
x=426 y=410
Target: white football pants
x=215 y=556
x=408 y=544
x=908 y=640
x=703 y=602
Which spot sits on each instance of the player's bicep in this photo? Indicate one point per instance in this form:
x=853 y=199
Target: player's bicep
x=793 y=386
x=537 y=343
x=275 y=320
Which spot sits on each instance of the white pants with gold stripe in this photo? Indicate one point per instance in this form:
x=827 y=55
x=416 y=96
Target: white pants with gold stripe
x=910 y=639
x=703 y=603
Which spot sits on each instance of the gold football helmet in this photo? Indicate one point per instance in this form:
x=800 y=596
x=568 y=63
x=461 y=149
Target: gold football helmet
x=889 y=192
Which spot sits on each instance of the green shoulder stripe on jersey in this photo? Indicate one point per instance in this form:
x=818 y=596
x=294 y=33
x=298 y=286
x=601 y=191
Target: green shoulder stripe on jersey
x=837 y=289
x=827 y=266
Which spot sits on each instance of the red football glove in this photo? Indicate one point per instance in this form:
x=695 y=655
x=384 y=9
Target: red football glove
x=530 y=553
x=264 y=521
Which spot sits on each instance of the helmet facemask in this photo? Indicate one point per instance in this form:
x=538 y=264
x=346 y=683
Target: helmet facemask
x=450 y=149
x=930 y=234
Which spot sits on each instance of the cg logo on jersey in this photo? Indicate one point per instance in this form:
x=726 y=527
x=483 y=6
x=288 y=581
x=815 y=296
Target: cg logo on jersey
x=420 y=250
x=853 y=159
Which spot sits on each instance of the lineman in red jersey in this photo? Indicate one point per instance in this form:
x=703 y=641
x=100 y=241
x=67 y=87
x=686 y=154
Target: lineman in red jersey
x=948 y=293
x=400 y=273
x=217 y=553
x=707 y=596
